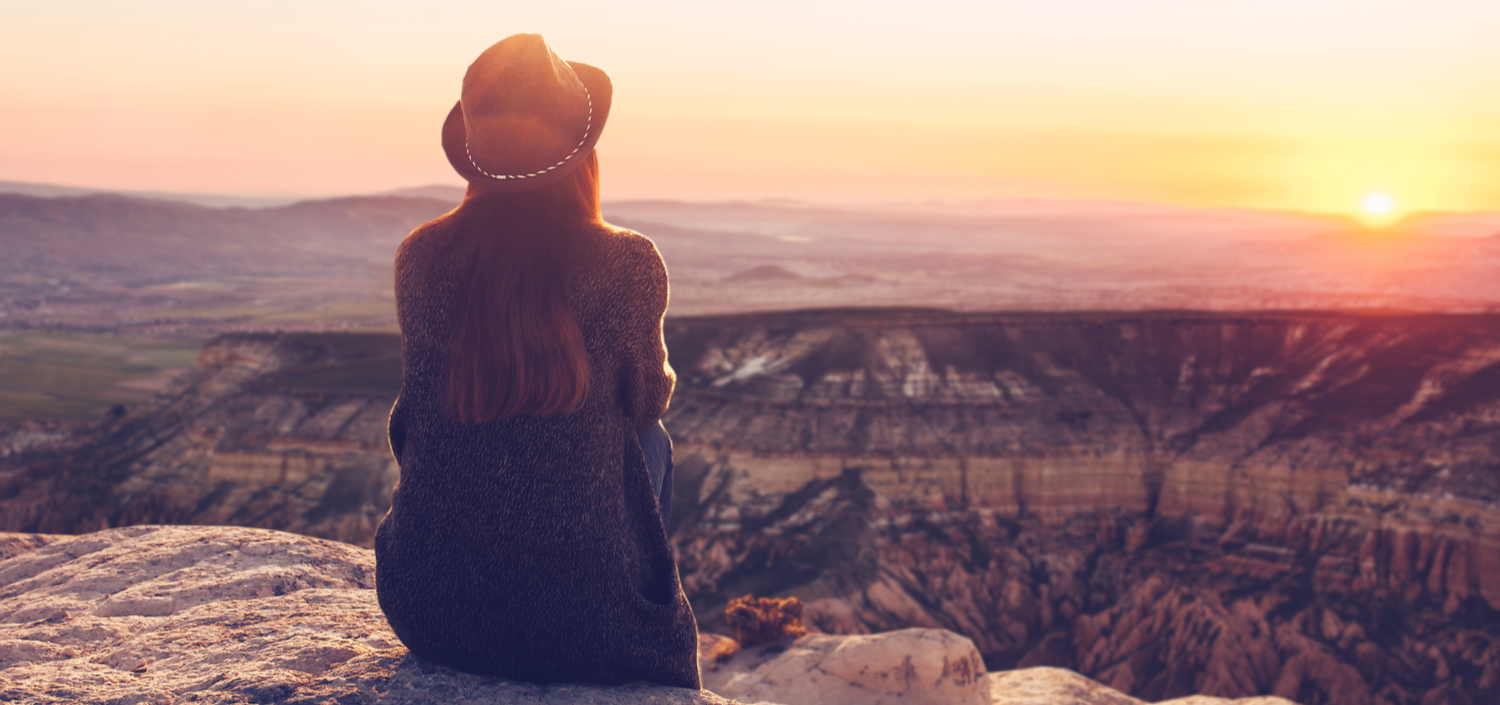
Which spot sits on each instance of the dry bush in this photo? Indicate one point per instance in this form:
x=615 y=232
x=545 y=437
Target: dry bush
x=724 y=650
x=761 y=620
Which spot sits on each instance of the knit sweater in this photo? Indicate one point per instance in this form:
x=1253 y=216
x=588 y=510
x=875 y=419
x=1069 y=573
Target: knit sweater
x=530 y=547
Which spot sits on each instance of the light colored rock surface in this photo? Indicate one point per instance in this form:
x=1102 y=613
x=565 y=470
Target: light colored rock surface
x=227 y=615
x=906 y=666
x=821 y=669
x=12 y=545
x=1059 y=686
x=223 y=616
x=1052 y=686
x=1209 y=700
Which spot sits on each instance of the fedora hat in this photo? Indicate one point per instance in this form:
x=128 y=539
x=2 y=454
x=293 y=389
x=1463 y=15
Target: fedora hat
x=525 y=117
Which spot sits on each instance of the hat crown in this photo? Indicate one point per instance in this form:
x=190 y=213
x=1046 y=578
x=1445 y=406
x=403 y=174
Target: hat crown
x=524 y=108
x=525 y=118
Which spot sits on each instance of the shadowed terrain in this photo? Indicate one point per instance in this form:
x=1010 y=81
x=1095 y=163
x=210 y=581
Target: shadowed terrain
x=1170 y=503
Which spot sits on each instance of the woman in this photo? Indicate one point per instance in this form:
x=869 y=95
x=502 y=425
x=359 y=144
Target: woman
x=524 y=538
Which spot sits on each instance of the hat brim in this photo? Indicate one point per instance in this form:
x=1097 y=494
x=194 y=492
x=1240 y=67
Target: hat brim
x=601 y=91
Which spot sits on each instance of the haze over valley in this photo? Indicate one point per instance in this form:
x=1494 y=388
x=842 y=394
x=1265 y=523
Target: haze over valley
x=112 y=262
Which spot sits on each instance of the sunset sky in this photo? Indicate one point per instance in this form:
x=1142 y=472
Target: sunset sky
x=1297 y=104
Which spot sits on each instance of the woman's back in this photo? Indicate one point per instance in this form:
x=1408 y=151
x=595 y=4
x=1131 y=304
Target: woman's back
x=530 y=546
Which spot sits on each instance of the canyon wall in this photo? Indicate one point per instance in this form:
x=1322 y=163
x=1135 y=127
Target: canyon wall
x=275 y=431
x=1170 y=503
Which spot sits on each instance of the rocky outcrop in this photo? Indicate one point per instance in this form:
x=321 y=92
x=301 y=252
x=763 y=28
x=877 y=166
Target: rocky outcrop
x=227 y=616
x=1056 y=686
x=1171 y=503
x=891 y=668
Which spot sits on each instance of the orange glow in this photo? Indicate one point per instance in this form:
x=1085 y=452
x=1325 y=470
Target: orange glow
x=1270 y=105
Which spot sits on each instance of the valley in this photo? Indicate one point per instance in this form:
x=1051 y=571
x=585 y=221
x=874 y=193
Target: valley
x=1298 y=503
x=115 y=264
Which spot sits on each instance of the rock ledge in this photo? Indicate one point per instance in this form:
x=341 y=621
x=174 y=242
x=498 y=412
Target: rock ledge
x=222 y=615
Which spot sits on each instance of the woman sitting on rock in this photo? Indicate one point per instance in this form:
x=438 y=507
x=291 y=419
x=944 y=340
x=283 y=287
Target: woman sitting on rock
x=526 y=536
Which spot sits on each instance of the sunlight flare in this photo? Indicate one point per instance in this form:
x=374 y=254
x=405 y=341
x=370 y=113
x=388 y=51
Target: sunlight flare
x=1378 y=204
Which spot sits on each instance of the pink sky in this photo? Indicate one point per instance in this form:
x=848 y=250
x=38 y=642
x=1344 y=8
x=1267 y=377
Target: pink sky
x=1280 y=103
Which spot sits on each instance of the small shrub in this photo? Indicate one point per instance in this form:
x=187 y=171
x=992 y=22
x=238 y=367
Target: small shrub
x=723 y=652
x=761 y=620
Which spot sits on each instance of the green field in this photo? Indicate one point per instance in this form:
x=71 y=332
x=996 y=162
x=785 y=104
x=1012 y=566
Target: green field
x=363 y=363
x=78 y=376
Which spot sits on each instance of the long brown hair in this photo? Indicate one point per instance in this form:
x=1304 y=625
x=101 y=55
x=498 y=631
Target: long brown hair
x=516 y=346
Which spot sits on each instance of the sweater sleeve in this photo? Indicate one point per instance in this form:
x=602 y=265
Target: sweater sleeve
x=647 y=378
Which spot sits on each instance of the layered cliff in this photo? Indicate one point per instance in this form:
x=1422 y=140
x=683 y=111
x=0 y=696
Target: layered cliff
x=275 y=431
x=1171 y=503
x=1302 y=504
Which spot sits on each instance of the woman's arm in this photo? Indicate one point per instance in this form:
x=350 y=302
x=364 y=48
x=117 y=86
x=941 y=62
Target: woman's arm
x=646 y=377
x=395 y=430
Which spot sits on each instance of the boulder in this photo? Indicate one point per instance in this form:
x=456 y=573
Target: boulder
x=905 y=666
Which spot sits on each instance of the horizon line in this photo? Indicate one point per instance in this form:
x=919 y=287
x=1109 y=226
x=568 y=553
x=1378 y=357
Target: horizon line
x=226 y=200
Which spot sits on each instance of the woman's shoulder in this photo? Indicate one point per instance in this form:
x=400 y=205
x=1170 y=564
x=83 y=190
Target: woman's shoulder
x=628 y=240
x=622 y=266
x=427 y=238
x=632 y=250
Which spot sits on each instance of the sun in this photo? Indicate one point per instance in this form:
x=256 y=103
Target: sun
x=1378 y=204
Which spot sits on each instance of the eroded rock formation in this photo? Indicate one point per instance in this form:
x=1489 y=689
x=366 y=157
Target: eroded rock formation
x=1299 y=504
x=227 y=616
x=277 y=431
x=1171 y=503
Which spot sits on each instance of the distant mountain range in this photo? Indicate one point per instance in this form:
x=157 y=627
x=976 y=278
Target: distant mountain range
x=102 y=259
x=1213 y=220
x=438 y=192
x=137 y=241
x=110 y=261
x=24 y=188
